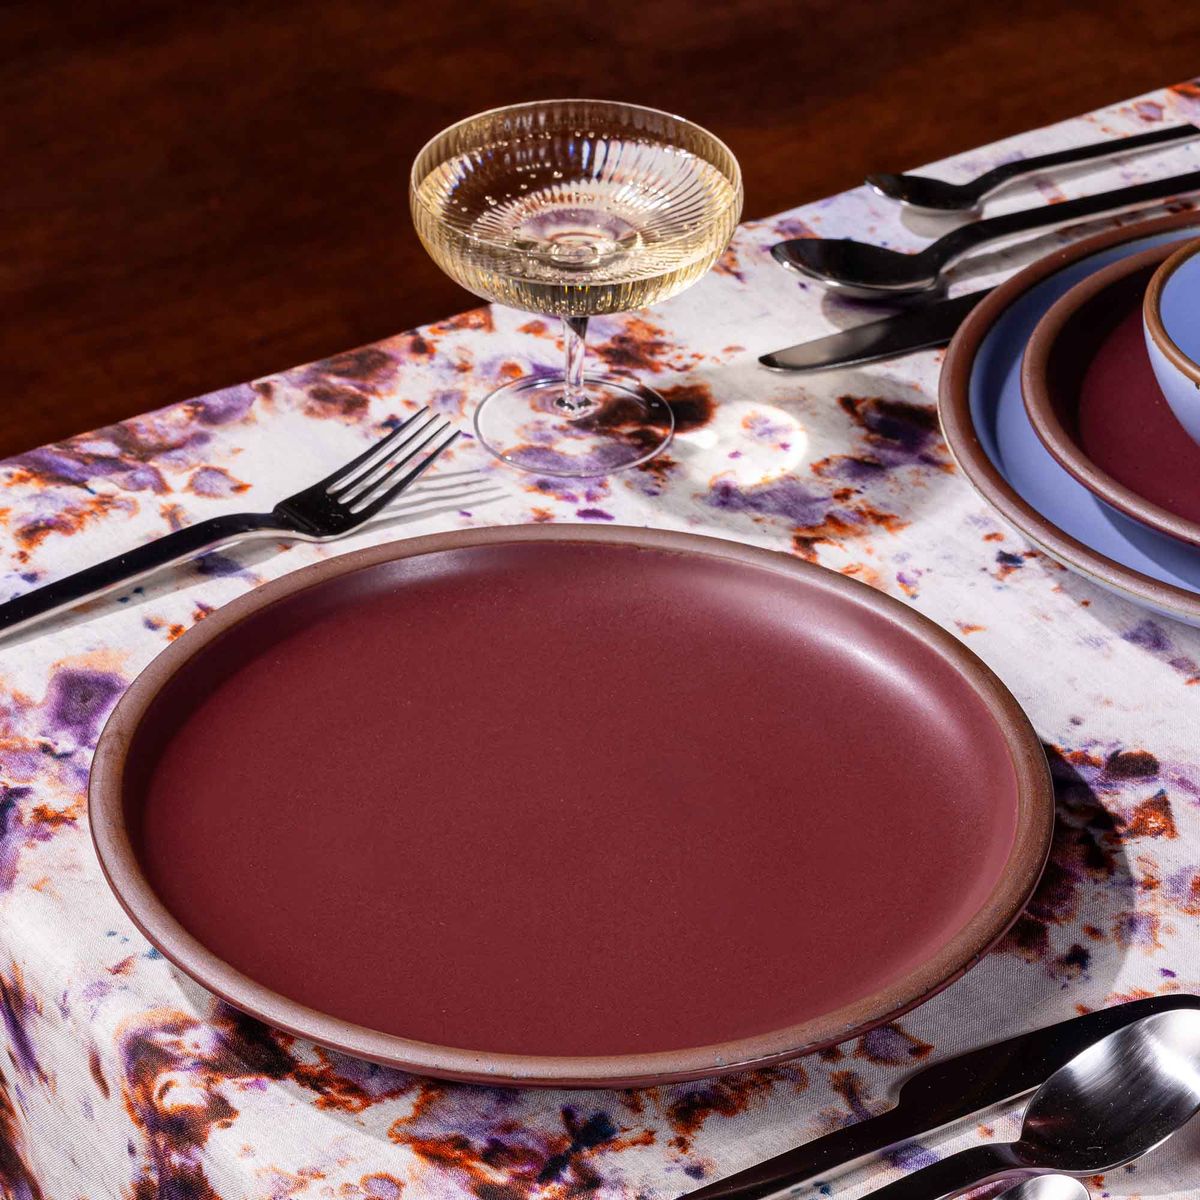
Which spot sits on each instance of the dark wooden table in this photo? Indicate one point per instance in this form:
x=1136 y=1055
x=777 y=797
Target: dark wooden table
x=195 y=194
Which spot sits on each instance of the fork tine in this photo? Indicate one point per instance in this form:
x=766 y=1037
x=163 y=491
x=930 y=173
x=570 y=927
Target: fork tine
x=359 y=497
x=360 y=460
x=364 y=478
x=393 y=489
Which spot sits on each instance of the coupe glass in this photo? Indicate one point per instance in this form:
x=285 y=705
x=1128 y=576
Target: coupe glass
x=575 y=208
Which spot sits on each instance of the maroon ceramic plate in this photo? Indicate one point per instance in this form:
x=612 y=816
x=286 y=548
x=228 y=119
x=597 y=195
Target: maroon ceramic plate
x=1093 y=400
x=552 y=805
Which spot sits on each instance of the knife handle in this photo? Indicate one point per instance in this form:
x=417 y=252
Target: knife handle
x=813 y=1159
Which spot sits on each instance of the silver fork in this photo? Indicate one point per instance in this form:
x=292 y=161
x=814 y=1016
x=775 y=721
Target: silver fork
x=331 y=508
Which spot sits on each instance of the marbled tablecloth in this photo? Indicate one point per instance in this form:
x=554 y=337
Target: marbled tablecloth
x=121 y=1078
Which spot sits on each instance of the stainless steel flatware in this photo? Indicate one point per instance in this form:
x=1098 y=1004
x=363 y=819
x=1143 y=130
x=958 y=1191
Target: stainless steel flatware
x=940 y=1094
x=859 y=268
x=936 y=195
x=1118 y=1100
x=1046 y=1187
x=917 y=329
x=331 y=508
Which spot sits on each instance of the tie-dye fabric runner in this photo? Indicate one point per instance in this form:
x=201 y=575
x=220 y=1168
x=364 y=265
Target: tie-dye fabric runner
x=123 y=1079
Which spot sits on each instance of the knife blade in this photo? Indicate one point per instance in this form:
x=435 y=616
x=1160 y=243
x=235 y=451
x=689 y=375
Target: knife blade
x=940 y=1094
x=917 y=329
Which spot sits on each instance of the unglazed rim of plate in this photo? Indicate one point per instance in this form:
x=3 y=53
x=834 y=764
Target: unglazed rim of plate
x=1027 y=856
x=958 y=428
x=1039 y=394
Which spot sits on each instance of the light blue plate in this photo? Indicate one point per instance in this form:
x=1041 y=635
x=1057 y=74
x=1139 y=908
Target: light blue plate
x=1009 y=441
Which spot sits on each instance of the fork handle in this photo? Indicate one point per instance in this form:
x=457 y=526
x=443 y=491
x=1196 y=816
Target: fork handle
x=106 y=576
x=1112 y=148
x=966 y=237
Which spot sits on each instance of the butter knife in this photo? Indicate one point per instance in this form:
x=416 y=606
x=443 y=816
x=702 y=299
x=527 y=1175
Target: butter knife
x=916 y=329
x=940 y=1094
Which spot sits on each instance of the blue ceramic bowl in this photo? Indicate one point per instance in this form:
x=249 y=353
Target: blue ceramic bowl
x=1171 y=317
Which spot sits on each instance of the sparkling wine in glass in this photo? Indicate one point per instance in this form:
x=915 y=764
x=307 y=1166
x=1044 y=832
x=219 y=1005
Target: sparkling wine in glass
x=575 y=208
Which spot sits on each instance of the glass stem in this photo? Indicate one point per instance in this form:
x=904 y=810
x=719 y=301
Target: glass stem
x=573 y=398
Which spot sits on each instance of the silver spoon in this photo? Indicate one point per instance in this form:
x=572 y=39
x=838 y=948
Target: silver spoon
x=936 y=195
x=863 y=269
x=1047 y=1187
x=1116 y=1101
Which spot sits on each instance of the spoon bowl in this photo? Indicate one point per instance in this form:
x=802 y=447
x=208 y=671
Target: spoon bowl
x=1113 y=1102
x=858 y=268
x=1046 y=1187
x=919 y=191
x=1118 y=1099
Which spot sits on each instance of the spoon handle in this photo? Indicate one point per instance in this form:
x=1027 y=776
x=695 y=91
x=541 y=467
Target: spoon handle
x=1111 y=148
x=966 y=237
x=949 y=1176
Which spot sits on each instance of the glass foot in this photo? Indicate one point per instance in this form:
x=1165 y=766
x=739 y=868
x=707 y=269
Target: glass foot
x=623 y=424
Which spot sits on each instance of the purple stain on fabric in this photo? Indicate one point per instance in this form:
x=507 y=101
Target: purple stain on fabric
x=57 y=466
x=1136 y=929
x=787 y=498
x=228 y=404
x=1149 y=636
x=379 y=1187
x=17 y=1008
x=144 y=479
x=585 y=1135
x=11 y=832
x=909 y=1156
x=217 y=564
x=78 y=701
x=594 y=514
x=214 y=483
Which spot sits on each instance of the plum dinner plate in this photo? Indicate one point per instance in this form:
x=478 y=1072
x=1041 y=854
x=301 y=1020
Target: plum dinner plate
x=988 y=431
x=558 y=805
x=1092 y=398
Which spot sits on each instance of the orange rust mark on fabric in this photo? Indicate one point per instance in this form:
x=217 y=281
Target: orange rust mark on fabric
x=692 y=405
x=863 y=572
x=97 y=1073
x=1191 y=901
x=659 y=467
x=537 y=328
x=966 y=627
x=722 y=1097
x=835 y=527
x=1131 y=764
x=638 y=346
x=338 y=1093
x=728 y=263
x=335 y=397
x=1152 y=818
x=55 y=818
x=474 y=318
x=68 y=521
